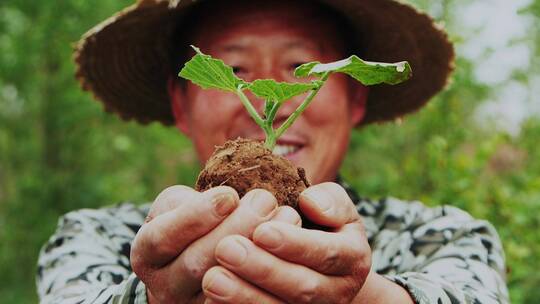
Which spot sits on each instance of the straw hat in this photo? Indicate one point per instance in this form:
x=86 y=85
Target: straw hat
x=125 y=61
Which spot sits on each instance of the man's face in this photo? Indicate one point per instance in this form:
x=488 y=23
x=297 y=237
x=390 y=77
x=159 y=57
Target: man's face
x=270 y=41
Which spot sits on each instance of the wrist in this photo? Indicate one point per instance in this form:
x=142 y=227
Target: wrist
x=378 y=289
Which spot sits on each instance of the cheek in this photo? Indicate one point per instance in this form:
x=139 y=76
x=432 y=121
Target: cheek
x=330 y=106
x=211 y=114
x=212 y=111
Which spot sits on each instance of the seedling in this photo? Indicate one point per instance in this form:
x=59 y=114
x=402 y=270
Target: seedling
x=246 y=165
x=211 y=73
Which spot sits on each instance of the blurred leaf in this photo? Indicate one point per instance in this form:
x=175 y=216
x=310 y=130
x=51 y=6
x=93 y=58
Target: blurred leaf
x=270 y=89
x=366 y=72
x=208 y=72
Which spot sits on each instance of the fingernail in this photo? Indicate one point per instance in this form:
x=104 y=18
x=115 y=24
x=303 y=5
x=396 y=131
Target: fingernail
x=320 y=198
x=220 y=284
x=223 y=204
x=286 y=214
x=263 y=203
x=232 y=252
x=268 y=236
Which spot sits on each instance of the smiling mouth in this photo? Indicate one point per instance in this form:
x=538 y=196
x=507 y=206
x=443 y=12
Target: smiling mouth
x=285 y=149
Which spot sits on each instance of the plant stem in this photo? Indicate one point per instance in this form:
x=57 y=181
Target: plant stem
x=301 y=108
x=249 y=107
x=265 y=124
x=270 y=141
x=271 y=137
x=272 y=114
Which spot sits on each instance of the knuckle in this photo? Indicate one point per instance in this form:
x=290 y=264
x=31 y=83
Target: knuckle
x=142 y=244
x=308 y=291
x=265 y=273
x=357 y=246
x=361 y=261
x=360 y=272
x=158 y=243
x=195 y=223
x=357 y=275
x=140 y=265
x=356 y=251
x=194 y=266
x=350 y=288
x=332 y=260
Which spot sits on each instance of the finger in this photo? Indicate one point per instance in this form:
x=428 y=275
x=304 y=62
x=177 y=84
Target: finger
x=222 y=286
x=333 y=253
x=287 y=214
x=166 y=235
x=256 y=207
x=327 y=204
x=169 y=199
x=288 y=281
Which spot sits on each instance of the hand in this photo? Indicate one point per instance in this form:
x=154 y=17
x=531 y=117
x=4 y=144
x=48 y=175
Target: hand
x=175 y=247
x=286 y=263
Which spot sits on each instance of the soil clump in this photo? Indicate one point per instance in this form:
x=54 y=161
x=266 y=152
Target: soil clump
x=246 y=164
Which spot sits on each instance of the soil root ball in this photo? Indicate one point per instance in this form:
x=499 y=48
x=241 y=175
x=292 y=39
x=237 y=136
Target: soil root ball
x=246 y=164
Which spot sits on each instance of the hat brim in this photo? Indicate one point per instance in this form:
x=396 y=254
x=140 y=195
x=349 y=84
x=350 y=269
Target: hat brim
x=125 y=60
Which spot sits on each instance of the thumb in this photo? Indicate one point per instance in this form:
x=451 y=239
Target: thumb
x=327 y=204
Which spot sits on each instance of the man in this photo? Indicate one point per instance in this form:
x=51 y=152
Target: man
x=215 y=247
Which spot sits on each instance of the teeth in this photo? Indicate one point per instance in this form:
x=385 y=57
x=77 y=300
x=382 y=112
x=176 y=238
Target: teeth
x=283 y=150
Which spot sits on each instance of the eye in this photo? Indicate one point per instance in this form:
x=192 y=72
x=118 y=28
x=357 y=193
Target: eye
x=239 y=70
x=294 y=65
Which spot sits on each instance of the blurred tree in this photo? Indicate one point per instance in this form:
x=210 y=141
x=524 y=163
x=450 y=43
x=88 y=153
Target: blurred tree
x=59 y=151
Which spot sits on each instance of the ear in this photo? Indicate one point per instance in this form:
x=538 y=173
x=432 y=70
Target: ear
x=359 y=95
x=178 y=105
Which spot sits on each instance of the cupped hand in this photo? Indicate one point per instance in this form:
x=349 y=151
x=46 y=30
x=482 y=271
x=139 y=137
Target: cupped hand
x=175 y=247
x=287 y=263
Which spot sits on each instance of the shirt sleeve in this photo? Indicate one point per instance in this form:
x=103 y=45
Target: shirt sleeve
x=439 y=255
x=87 y=259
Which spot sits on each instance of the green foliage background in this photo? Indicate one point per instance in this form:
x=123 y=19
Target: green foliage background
x=59 y=151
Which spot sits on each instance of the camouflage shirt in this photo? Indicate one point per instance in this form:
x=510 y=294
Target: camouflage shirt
x=440 y=255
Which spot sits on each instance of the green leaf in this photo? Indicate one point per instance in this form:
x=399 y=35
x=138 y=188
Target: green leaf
x=270 y=89
x=305 y=69
x=207 y=72
x=366 y=72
